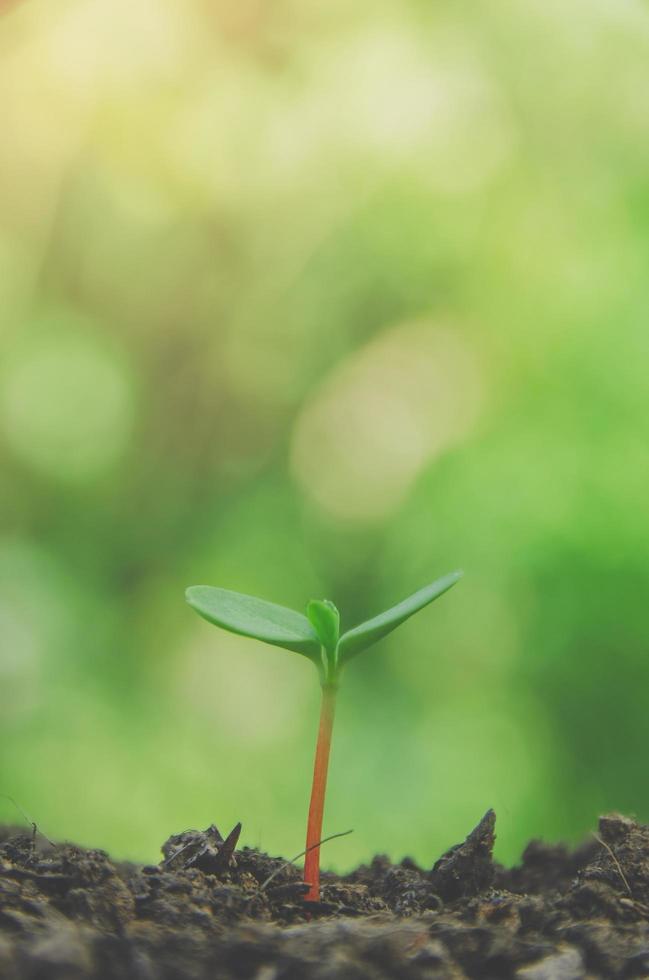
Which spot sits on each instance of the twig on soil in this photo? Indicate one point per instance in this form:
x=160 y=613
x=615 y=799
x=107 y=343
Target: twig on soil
x=32 y=823
x=343 y=833
x=616 y=862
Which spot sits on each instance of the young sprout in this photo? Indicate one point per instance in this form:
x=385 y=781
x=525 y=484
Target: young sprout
x=316 y=636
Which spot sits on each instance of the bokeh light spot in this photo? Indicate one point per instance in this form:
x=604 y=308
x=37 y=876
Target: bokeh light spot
x=66 y=401
x=383 y=415
x=442 y=109
x=35 y=618
x=250 y=693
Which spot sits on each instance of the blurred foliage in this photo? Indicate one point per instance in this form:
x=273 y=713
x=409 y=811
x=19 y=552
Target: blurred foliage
x=324 y=300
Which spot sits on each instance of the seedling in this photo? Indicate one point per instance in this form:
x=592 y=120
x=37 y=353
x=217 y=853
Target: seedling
x=316 y=636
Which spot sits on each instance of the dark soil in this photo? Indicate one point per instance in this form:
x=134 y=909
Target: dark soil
x=209 y=912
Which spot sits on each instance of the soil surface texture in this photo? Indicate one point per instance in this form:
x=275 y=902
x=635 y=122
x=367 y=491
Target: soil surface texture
x=211 y=911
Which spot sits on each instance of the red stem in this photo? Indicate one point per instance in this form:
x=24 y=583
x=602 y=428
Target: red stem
x=316 y=807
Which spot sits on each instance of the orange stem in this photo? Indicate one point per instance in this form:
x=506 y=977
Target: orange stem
x=316 y=806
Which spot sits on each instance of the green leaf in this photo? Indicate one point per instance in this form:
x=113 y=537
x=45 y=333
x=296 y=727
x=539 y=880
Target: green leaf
x=249 y=616
x=363 y=636
x=325 y=619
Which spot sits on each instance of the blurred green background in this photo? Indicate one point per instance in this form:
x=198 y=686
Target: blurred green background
x=324 y=300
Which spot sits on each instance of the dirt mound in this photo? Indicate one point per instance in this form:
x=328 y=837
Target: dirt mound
x=211 y=911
